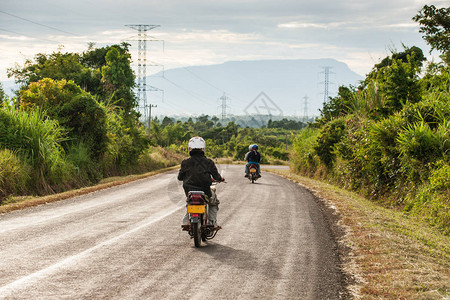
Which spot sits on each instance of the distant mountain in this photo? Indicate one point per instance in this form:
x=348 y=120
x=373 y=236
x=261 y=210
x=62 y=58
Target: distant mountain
x=275 y=87
x=262 y=86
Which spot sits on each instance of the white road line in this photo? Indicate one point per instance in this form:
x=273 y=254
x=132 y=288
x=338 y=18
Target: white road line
x=7 y=290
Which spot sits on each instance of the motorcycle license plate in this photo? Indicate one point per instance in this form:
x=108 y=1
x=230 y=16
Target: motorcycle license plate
x=252 y=170
x=196 y=209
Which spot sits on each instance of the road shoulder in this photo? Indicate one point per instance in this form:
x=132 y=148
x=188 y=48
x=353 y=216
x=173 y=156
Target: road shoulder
x=384 y=254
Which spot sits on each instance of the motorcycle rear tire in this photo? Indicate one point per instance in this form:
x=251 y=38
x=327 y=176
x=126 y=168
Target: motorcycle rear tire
x=196 y=230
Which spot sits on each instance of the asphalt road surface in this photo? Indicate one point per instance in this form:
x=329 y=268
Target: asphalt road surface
x=126 y=243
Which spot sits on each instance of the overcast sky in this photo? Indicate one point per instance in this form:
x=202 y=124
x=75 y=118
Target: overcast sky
x=198 y=32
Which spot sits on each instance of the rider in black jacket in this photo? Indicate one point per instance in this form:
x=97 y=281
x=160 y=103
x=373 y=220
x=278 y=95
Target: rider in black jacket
x=253 y=157
x=197 y=172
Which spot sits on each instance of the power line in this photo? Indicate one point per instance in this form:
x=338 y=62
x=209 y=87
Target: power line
x=196 y=75
x=187 y=91
x=50 y=27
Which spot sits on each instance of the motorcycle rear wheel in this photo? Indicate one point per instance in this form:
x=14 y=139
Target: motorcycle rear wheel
x=196 y=230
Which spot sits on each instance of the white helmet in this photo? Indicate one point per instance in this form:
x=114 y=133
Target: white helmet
x=250 y=148
x=196 y=143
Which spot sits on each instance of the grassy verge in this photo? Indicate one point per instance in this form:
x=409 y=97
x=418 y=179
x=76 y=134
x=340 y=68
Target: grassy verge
x=391 y=256
x=16 y=203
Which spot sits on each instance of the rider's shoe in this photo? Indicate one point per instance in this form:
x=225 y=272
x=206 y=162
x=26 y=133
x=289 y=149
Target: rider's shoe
x=259 y=175
x=246 y=175
x=185 y=227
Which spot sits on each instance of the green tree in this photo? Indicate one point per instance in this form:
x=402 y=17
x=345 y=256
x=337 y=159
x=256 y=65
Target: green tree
x=166 y=121
x=118 y=78
x=340 y=105
x=56 y=66
x=413 y=52
x=75 y=109
x=435 y=25
x=400 y=85
x=215 y=120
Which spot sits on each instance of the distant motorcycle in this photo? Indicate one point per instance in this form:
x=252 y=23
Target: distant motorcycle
x=198 y=227
x=253 y=173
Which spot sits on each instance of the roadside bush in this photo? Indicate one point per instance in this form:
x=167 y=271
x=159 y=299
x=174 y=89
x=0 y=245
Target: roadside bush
x=155 y=158
x=37 y=139
x=125 y=143
x=381 y=154
x=432 y=201
x=303 y=158
x=88 y=171
x=420 y=147
x=14 y=174
x=76 y=110
x=349 y=169
x=434 y=110
x=330 y=134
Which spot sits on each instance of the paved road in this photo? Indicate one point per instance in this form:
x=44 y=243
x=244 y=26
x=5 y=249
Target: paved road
x=126 y=243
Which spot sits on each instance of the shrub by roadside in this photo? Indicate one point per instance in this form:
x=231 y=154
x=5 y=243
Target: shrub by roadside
x=14 y=174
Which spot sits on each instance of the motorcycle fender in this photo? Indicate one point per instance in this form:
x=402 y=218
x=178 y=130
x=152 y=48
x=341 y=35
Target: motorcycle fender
x=194 y=219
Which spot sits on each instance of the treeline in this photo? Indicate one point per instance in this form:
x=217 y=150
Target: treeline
x=72 y=123
x=229 y=141
x=255 y=121
x=389 y=138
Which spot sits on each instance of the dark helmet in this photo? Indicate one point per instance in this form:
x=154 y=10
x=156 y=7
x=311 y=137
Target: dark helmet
x=255 y=147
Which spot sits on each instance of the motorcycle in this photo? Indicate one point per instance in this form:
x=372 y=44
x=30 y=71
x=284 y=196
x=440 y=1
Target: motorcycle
x=197 y=210
x=253 y=173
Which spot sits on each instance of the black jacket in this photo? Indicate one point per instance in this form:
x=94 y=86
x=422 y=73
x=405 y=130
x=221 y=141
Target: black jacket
x=196 y=172
x=254 y=156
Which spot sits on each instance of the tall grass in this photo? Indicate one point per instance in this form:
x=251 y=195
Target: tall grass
x=366 y=102
x=303 y=156
x=36 y=139
x=14 y=174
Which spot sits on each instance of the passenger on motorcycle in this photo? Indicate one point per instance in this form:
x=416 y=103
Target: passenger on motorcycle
x=253 y=157
x=197 y=172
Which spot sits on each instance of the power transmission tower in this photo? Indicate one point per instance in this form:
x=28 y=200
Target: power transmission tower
x=326 y=82
x=305 y=108
x=224 y=106
x=142 y=64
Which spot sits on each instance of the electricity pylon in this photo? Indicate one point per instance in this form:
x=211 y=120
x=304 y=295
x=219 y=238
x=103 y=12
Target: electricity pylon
x=305 y=108
x=142 y=64
x=326 y=82
x=224 y=107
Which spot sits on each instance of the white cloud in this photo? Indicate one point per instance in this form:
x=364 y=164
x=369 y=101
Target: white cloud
x=205 y=32
x=16 y=38
x=401 y=26
x=301 y=25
